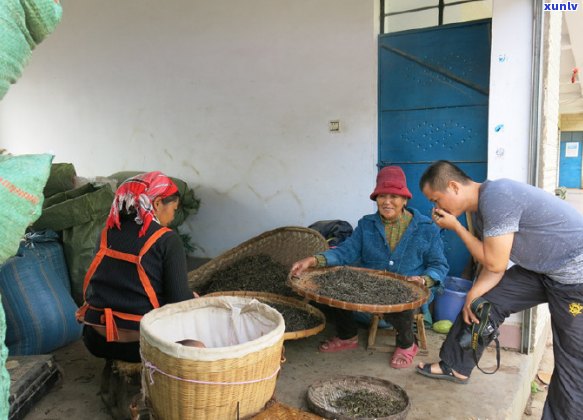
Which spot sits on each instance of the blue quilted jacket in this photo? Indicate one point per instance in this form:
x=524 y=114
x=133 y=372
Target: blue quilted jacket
x=418 y=253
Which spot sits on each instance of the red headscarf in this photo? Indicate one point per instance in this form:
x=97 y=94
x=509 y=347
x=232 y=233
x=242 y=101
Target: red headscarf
x=140 y=192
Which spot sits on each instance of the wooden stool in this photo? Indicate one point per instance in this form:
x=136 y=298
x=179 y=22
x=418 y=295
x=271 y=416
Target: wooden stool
x=120 y=382
x=373 y=331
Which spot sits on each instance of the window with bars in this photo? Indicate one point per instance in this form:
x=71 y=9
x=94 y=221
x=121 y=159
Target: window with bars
x=400 y=15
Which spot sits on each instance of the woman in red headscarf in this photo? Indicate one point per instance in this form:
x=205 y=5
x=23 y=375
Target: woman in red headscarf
x=140 y=265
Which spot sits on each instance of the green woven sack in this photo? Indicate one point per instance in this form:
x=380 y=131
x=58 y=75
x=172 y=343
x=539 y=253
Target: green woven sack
x=23 y=24
x=42 y=17
x=22 y=179
x=4 y=376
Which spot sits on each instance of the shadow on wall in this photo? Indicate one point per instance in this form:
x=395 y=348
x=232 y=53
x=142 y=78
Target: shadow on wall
x=229 y=217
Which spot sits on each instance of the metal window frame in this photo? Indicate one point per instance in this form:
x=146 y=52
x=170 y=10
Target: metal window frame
x=441 y=5
x=538 y=39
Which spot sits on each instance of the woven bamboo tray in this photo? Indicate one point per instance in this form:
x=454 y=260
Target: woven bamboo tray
x=322 y=394
x=279 y=411
x=274 y=298
x=305 y=286
x=284 y=245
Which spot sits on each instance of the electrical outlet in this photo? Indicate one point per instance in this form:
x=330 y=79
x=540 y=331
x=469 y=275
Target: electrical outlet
x=334 y=126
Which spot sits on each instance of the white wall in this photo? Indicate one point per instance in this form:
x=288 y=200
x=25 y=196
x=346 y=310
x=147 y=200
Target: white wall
x=510 y=94
x=510 y=89
x=234 y=97
x=549 y=149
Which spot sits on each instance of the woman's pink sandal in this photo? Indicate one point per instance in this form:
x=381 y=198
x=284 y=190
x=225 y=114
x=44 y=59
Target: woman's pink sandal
x=405 y=356
x=336 y=344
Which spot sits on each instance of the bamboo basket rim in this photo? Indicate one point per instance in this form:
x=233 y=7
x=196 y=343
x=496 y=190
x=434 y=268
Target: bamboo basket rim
x=304 y=286
x=290 y=301
x=280 y=411
x=127 y=368
x=200 y=276
x=148 y=329
x=317 y=391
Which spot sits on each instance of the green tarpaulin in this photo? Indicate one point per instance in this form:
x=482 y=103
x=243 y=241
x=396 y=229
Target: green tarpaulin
x=80 y=216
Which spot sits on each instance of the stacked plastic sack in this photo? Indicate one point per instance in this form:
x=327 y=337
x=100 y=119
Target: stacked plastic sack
x=22 y=179
x=23 y=25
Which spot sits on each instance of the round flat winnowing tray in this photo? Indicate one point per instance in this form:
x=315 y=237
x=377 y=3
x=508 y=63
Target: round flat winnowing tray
x=305 y=285
x=322 y=394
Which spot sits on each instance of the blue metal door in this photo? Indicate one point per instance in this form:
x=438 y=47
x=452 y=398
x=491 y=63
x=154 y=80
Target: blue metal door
x=570 y=163
x=433 y=104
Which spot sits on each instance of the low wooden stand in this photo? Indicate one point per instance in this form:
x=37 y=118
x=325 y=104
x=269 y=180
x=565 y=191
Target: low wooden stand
x=120 y=382
x=374 y=331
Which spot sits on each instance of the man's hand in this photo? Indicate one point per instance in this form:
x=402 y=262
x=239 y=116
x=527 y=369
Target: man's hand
x=469 y=316
x=444 y=220
x=302 y=265
x=485 y=282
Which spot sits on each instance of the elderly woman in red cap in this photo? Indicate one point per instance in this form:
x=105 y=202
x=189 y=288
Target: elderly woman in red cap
x=396 y=238
x=140 y=265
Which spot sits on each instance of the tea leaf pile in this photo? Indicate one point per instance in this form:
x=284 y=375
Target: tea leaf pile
x=258 y=273
x=356 y=286
x=295 y=318
x=365 y=403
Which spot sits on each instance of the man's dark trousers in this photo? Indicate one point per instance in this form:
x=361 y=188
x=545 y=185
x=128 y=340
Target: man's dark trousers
x=520 y=289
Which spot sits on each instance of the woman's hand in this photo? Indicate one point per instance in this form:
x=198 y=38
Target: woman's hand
x=444 y=220
x=417 y=279
x=302 y=265
x=196 y=295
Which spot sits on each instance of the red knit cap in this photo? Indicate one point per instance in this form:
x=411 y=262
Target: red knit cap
x=391 y=180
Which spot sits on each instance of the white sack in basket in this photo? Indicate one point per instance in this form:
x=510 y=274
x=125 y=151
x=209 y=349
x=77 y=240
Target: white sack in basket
x=230 y=327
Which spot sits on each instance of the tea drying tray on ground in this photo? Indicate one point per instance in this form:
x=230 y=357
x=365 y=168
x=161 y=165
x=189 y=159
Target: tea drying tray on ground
x=301 y=319
x=358 y=397
x=360 y=289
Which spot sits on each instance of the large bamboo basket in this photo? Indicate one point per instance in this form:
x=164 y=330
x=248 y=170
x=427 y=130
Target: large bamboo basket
x=274 y=298
x=187 y=383
x=304 y=285
x=284 y=245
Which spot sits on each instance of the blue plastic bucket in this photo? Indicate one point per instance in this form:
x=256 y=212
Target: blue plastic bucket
x=449 y=303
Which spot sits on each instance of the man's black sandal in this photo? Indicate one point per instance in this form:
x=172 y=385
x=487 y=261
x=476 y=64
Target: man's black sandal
x=447 y=374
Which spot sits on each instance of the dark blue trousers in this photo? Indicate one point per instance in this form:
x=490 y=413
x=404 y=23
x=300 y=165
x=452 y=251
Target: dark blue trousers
x=99 y=347
x=521 y=289
x=347 y=327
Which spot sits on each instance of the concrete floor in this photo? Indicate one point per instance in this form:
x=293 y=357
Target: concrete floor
x=492 y=397
x=498 y=396
x=575 y=198
x=504 y=395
